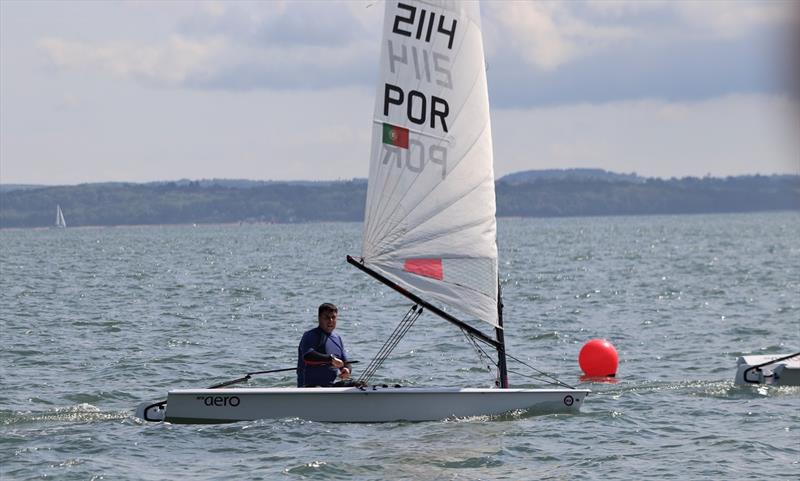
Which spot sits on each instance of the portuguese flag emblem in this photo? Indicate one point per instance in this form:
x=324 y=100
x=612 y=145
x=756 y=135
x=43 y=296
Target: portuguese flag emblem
x=397 y=136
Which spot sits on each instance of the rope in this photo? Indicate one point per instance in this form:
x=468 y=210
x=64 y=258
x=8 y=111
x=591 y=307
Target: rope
x=388 y=346
x=405 y=324
x=482 y=353
x=555 y=381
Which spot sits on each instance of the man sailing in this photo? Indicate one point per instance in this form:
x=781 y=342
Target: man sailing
x=321 y=355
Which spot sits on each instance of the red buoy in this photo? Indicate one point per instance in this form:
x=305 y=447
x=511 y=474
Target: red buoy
x=598 y=358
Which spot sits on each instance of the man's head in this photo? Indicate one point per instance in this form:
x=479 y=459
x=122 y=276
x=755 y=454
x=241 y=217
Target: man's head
x=327 y=315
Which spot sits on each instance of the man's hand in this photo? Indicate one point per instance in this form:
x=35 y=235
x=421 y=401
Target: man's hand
x=336 y=362
x=344 y=373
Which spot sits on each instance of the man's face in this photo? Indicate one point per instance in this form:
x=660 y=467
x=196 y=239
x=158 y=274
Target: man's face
x=327 y=321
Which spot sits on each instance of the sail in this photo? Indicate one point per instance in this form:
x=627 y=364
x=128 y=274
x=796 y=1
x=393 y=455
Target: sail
x=430 y=213
x=60 y=222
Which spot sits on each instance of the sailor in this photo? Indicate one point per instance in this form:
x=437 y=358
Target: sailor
x=321 y=355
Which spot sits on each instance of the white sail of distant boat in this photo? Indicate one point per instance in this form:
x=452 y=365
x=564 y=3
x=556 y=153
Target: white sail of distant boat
x=429 y=232
x=60 y=222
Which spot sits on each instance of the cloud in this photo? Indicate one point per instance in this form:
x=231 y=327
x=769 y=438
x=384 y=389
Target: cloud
x=539 y=53
x=301 y=67
x=168 y=64
x=610 y=51
x=732 y=18
x=239 y=46
x=269 y=24
x=547 y=34
x=68 y=102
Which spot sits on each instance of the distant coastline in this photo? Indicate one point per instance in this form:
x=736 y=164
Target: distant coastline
x=535 y=193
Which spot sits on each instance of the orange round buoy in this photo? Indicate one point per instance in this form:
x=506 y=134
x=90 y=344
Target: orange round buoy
x=598 y=358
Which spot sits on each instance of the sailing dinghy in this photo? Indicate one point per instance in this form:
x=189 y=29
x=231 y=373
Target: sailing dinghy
x=60 y=222
x=773 y=370
x=429 y=232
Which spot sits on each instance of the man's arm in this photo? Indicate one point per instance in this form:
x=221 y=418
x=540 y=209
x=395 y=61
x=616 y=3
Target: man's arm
x=317 y=358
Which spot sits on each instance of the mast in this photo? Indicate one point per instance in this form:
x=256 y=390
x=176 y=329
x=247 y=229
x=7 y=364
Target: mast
x=501 y=349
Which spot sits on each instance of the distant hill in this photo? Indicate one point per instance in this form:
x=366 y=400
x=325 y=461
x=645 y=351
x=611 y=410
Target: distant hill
x=586 y=196
x=528 y=176
x=249 y=184
x=11 y=187
x=574 y=192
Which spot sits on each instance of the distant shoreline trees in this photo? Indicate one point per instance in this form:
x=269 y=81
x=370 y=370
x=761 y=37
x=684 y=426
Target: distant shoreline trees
x=552 y=193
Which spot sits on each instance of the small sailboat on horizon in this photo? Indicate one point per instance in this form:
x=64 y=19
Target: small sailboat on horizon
x=60 y=222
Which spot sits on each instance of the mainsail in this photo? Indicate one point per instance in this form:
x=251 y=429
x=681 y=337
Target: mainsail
x=430 y=214
x=60 y=222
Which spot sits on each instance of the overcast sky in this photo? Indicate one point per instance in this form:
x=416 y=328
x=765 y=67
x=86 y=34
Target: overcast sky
x=155 y=90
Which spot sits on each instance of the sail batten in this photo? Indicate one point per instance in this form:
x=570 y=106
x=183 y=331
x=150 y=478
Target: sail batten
x=430 y=216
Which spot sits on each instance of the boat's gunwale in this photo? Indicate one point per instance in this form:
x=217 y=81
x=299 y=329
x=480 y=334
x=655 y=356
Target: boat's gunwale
x=370 y=390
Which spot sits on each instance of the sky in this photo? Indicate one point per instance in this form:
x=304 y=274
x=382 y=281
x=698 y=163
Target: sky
x=140 y=91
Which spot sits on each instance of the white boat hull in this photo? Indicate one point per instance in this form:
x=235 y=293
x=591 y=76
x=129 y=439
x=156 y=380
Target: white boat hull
x=355 y=405
x=781 y=373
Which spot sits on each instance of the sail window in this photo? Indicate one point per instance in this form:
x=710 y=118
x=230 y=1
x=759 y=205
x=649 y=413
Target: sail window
x=425 y=267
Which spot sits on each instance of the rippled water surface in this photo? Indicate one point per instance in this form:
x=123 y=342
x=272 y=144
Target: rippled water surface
x=95 y=320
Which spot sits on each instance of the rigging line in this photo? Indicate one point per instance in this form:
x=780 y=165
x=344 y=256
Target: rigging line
x=545 y=381
x=396 y=340
x=478 y=348
x=557 y=381
x=378 y=361
x=481 y=354
x=399 y=330
x=372 y=365
x=388 y=346
x=492 y=366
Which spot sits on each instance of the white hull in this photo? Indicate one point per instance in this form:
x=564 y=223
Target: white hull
x=356 y=405
x=781 y=373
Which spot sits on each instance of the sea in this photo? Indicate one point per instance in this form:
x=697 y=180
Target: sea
x=96 y=320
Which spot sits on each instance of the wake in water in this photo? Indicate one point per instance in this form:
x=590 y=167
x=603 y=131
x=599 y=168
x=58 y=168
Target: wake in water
x=711 y=389
x=80 y=413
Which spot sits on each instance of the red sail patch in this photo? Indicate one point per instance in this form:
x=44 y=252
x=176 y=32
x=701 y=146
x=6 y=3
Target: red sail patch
x=425 y=267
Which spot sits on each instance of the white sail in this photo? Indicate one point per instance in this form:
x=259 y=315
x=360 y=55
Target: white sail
x=430 y=213
x=60 y=222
